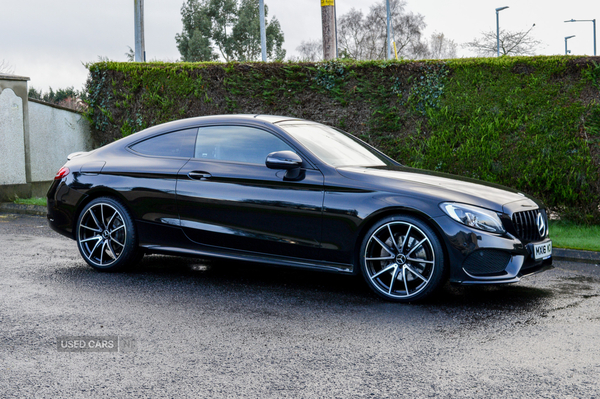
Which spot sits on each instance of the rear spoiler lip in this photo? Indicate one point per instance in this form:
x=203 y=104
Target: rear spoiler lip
x=76 y=154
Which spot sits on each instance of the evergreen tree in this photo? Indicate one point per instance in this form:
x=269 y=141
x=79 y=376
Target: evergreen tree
x=230 y=26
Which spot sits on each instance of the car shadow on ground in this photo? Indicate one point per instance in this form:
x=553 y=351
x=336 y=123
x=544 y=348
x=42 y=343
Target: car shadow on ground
x=255 y=280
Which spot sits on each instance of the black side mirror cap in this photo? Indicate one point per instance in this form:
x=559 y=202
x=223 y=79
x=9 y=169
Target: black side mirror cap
x=286 y=160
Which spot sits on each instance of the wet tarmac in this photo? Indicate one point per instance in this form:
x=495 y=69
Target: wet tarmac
x=218 y=329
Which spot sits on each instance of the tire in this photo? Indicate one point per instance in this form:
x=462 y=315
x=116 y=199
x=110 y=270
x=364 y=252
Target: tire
x=402 y=259
x=106 y=236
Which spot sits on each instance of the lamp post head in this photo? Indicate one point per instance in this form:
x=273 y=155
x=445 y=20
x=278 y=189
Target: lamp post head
x=501 y=8
x=593 y=21
x=568 y=37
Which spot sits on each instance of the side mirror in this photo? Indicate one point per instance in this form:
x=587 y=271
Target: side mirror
x=283 y=160
x=286 y=160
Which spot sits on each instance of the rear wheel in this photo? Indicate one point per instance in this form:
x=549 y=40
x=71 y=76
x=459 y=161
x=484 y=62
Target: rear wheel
x=106 y=236
x=402 y=259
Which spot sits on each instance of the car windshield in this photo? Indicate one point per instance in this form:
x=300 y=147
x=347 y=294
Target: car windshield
x=332 y=146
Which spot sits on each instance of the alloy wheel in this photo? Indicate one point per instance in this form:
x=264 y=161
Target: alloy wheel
x=102 y=235
x=399 y=260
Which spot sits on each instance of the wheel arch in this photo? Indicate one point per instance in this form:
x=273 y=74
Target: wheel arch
x=91 y=195
x=383 y=213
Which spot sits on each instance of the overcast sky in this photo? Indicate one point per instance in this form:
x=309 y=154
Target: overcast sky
x=48 y=41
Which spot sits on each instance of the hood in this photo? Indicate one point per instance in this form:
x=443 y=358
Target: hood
x=443 y=186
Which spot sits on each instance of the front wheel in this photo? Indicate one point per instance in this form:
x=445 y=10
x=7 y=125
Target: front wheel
x=402 y=259
x=106 y=236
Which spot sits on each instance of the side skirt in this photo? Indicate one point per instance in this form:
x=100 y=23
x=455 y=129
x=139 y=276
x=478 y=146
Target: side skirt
x=171 y=240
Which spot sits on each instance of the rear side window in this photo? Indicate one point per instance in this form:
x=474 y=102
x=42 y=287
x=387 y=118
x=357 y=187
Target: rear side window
x=237 y=144
x=177 y=144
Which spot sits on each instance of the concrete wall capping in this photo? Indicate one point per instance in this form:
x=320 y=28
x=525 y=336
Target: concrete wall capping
x=13 y=77
x=34 y=100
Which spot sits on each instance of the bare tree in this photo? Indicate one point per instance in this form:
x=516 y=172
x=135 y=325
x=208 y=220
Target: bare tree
x=311 y=50
x=511 y=43
x=440 y=47
x=355 y=40
x=5 y=67
x=364 y=37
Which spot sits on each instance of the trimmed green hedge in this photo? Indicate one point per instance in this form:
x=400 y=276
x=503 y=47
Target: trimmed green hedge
x=532 y=123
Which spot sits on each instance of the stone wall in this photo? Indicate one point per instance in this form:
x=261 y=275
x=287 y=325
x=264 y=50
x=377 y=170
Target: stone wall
x=12 y=140
x=35 y=139
x=54 y=134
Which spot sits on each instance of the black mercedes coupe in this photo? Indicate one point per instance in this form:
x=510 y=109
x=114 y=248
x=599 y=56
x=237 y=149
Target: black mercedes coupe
x=291 y=192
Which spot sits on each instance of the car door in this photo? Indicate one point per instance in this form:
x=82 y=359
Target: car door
x=228 y=198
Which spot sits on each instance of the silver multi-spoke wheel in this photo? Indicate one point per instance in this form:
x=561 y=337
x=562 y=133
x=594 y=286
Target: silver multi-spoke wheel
x=401 y=259
x=102 y=235
x=105 y=235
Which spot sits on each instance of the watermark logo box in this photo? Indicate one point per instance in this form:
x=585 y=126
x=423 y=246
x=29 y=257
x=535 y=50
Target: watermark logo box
x=109 y=343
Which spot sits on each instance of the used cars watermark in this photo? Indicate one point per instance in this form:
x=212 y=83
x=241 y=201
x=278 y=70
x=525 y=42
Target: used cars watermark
x=111 y=343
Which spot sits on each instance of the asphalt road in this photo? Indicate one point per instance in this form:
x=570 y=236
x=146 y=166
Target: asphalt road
x=208 y=329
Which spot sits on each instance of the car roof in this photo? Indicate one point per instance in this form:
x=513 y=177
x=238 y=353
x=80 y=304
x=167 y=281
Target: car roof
x=181 y=124
x=232 y=117
x=275 y=118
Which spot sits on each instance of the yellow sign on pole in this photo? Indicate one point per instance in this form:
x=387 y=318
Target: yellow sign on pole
x=325 y=3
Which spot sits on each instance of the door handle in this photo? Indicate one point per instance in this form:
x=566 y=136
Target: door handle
x=197 y=175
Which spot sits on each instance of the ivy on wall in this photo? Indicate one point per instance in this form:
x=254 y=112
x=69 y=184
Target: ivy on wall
x=532 y=123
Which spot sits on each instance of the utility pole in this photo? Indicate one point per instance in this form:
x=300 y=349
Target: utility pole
x=329 y=29
x=263 y=31
x=389 y=30
x=140 y=46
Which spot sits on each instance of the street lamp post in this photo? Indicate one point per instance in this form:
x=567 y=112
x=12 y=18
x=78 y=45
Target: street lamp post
x=263 y=32
x=140 y=47
x=593 y=21
x=567 y=38
x=498 y=27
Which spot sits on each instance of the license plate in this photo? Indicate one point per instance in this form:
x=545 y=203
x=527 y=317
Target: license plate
x=542 y=250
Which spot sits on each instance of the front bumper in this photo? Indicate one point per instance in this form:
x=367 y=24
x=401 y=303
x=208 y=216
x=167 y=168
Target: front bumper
x=477 y=257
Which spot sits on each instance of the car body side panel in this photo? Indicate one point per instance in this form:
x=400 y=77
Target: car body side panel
x=352 y=205
x=147 y=184
x=252 y=208
x=349 y=212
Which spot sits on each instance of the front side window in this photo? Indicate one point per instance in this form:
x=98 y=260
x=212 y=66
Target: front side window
x=177 y=144
x=332 y=146
x=237 y=144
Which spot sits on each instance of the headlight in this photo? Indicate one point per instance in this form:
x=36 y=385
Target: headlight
x=473 y=216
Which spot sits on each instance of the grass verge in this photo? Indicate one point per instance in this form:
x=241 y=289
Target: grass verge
x=31 y=201
x=574 y=236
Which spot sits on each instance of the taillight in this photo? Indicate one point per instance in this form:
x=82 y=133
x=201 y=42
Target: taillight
x=62 y=173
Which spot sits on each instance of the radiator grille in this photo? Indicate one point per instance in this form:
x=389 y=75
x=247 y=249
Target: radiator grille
x=525 y=224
